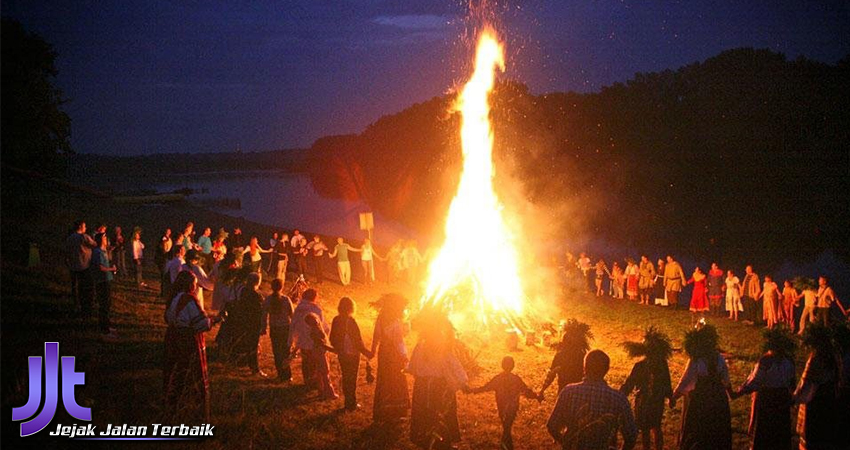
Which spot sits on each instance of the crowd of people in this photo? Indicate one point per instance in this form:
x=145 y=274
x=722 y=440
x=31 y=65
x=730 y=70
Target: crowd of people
x=717 y=292
x=588 y=413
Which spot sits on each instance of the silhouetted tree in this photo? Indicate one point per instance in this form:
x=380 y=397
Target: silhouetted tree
x=35 y=130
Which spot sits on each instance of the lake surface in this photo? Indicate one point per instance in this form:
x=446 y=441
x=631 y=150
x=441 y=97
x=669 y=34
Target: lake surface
x=278 y=199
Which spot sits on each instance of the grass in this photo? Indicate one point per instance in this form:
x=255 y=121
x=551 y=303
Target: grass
x=123 y=379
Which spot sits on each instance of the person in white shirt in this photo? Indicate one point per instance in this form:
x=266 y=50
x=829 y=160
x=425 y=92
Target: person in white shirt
x=297 y=239
x=175 y=264
x=826 y=297
x=367 y=260
x=299 y=332
x=138 y=255
x=172 y=268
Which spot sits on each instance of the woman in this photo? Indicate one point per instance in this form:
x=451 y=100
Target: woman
x=256 y=253
x=771 y=383
x=601 y=270
x=245 y=319
x=391 y=396
x=715 y=289
x=817 y=394
x=699 y=299
x=103 y=273
x=631 y=279
x=658 y=286
x=224 y=274
x=219 y=248
x=367 y=260
x=568 y=363
x=282 y=251
x=617 y=281
x=438 y=375
x=733 y=295
x=706 y=419
x=186 y=382
x=651 y=378
x=138 y=256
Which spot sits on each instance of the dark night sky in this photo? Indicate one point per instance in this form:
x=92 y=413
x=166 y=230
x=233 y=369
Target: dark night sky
x=171 y=76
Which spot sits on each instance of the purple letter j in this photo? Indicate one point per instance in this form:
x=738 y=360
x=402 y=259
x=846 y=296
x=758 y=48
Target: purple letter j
x=51 y=385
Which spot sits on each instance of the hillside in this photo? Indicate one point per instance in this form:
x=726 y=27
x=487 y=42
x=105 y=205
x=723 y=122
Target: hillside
x=742 y=157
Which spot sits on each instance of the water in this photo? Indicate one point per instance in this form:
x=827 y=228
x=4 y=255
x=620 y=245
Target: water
x=284 y=200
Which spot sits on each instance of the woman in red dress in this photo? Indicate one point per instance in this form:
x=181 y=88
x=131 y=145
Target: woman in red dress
x=699 y=298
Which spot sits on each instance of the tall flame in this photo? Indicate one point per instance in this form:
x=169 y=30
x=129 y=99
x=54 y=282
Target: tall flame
x=475 y=273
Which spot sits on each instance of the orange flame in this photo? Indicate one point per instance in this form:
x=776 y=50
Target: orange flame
x=475 y=273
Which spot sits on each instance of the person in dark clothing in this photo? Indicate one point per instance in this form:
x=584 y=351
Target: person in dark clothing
x=706 y=418
x=103 y=271
x=348 y=344
x=568 y=363
x=79 y=247
x=817 y=393
x=508 y=387
x=277 y=313
x=246 y=318
x=771 y=383
x=650 y=377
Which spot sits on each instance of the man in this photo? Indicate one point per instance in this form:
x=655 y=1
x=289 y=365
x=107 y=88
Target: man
x=188 y=232
x=299 y=332
x=826 y=297
x=343 y=264
x=205 y=246
x=674 y=279
x=297 y=239
x=647 y=275
x=236 y=244
x=584 y=265
x=172 y=268
x=750 y=290
x=282 y=251
x=318 y=249
x=587 y=415
x=79 y=247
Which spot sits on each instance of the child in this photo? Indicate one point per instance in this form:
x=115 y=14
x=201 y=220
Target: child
x=789 y=302
x=508 y=388
x=278 y=310
x=319 y=358
x=348 y=344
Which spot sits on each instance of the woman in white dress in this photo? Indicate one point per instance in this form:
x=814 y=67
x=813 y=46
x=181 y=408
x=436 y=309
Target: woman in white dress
x=733 y=295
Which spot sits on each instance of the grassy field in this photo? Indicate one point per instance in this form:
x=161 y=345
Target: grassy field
x=123 y=379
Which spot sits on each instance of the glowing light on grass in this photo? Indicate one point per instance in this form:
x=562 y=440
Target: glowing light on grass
x=475 y=273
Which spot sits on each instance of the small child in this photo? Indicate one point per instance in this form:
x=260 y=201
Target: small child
x=348 y=344
x=278 y=313
x=319 y=358
x=508 y=388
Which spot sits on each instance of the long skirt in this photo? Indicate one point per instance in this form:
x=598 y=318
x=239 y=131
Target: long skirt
x=632 y=286
x=699 y=301
x=185 y=379
x=706 y=419
x=770 y=419
x=433 y=419
x=391 y=395
x=769 y=310
x=733 y=302
x=817 y=421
